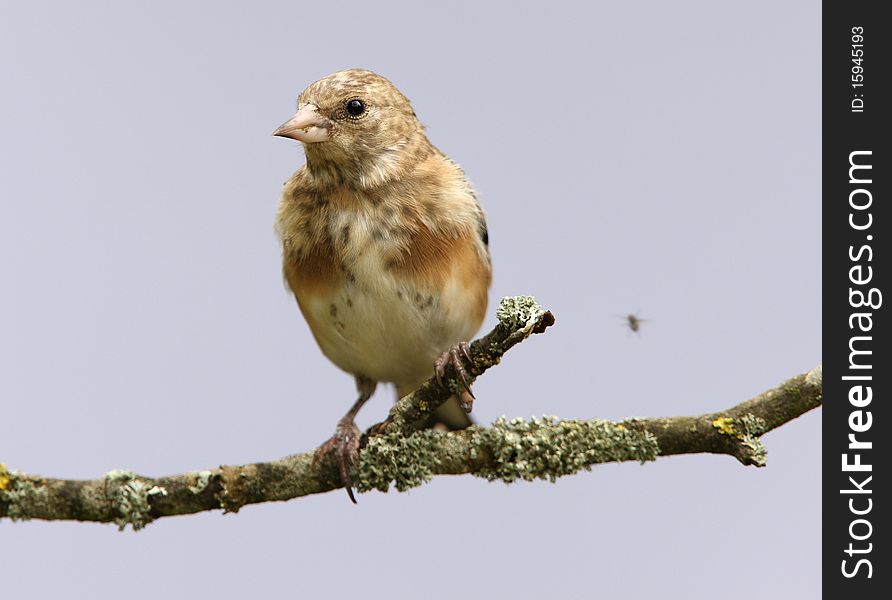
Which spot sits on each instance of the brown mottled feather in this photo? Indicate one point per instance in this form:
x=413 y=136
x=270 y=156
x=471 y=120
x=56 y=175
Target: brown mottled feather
x=382 y=237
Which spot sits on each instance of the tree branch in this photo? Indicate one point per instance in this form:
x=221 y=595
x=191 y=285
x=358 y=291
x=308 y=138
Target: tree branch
x=399 y=453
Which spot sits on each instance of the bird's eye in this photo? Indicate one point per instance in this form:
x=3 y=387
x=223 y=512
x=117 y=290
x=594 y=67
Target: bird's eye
x=355 y=107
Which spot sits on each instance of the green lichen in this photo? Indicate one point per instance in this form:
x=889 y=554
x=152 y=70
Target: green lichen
x=121 y=475
x=545 y=448
x=130 y=496
x=483 y=361
x=747 y=430
x=24 y=498
x=515 y=312
x=753 y=425
x=747 y=425
x=201 y=481
x=548 y=448
x=455 y=386
x=758 y=453
x=407 y=462
x=815 y=377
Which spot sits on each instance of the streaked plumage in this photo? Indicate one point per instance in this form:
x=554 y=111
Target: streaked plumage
x=384 y=243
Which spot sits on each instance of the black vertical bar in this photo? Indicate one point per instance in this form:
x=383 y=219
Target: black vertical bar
x=857 y=367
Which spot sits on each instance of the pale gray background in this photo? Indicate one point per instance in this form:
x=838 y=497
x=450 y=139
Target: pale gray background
x=660 y=157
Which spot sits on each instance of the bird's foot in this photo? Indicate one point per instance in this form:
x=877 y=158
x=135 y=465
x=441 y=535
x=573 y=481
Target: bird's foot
x=343 y=447
x=454 y=357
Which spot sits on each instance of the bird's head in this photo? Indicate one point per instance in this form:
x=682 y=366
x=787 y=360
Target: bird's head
x=356 y=127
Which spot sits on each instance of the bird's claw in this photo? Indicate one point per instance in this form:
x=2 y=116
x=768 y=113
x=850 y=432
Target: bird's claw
x=466 y=399
x=343 y=446
x=453 y=357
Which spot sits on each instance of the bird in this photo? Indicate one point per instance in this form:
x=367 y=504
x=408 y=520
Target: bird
x=384 y=246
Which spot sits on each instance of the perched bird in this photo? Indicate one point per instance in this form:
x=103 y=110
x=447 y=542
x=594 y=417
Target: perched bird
x=385 y=246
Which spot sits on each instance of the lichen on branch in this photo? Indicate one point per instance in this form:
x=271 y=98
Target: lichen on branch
x=548 y=448
x=398 y=452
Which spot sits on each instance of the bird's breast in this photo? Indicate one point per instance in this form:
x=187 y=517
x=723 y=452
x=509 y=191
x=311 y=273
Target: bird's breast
x=384 y=302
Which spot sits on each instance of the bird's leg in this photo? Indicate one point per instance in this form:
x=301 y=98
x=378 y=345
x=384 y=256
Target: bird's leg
x=453 y=357
x=344 y=444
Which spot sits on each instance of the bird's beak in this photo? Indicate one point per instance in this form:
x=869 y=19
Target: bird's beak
x=306 y=126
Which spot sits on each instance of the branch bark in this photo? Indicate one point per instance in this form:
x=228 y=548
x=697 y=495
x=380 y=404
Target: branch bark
x=399 y=453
